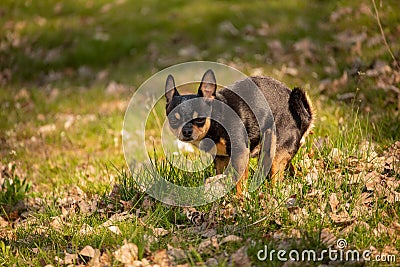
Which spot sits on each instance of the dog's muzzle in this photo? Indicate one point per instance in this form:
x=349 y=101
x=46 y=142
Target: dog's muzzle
x=187 y=131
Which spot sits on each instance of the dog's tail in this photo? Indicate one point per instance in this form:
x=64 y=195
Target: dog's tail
x=301 y=106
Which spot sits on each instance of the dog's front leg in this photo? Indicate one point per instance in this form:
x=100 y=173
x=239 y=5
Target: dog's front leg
x=220 y=163
x=240 y=163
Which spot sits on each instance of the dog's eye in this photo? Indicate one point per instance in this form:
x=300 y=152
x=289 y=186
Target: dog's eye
x=199 y=121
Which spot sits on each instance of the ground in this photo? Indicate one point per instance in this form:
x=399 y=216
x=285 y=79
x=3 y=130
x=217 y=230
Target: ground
x=69 y=69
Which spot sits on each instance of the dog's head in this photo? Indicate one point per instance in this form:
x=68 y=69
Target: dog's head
x=189 y=115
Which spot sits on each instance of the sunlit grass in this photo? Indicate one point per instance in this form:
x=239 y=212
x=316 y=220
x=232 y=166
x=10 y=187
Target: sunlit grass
x=55 y=52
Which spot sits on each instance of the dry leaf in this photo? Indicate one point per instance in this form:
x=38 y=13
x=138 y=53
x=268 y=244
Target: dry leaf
x=87 y=251
x=3 y=223
x=230 y=238
x=115 y=229
x=204 y=245
x=349 y=37
x=117 y=218
x=371 y=180
x=176 y=253
x=356 y=178
x=211 y=262
x=306 y=46
x=312 y=176
x=333 y=202
x=56 y=223
x=105 y=259
x=189 y=51
x=365 y=199
x=381 y=230
x=128 y=205
x=114 y=88
x=47 y=128
x=295 y=233
x=209 y=232
x=227 y=27
x=314 y=193
x=86 y=229
x=145 y=262
x=379 y=67
x=240 y=258
x=339 y=13
x=291 y=202
x=393 y=197
x=389 y=250
x=396 y=225
x=335 y=155
x=327 y=237
x=150 y=239
x=96 y=259
x=298 y=214
x=214 y=241
x=127 y=254
x=84 y=207
x=162 y=258
x=276 y=46
x=352 y=226
x=158 y=232
x=342 y=218
x=70 y=258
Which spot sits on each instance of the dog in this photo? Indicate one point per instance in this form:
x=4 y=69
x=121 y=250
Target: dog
x=196 y=117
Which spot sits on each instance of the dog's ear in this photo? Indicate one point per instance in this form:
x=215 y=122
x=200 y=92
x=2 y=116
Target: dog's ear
x=208 y=85
x=170 y=89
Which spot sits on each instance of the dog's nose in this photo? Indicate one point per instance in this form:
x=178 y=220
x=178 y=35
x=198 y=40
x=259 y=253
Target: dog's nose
x=187 y=131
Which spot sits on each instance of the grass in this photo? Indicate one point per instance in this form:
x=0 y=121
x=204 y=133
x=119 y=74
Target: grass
x=61 y=121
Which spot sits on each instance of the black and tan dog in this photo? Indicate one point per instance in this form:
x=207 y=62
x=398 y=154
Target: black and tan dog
x=192 y=121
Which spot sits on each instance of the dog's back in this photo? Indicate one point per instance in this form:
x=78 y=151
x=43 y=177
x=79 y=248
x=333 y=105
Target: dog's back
x=291 y=109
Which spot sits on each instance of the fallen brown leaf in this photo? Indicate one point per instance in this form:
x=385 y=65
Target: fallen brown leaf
x=352 y=226
x=240 y=258
x=176 y=253
x=161 y=258
x=86 y=229
x=393 y=197
x=87 y=251
x=127 y=254
x=209 y=232
x=333 y=202
x=57 y=223
x=312 y=176
x=204 y=245
x=158 y=232
x=230 y=238
x=70 y=258
x=335 y=155
x=114 y=229
x=342 y=218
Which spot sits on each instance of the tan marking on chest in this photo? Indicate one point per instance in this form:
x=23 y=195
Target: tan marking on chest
x=221 y=147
